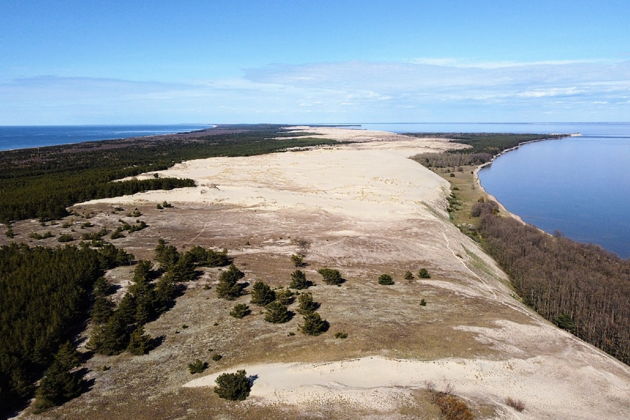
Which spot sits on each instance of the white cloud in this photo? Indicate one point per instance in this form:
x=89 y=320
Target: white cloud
x=425 y=89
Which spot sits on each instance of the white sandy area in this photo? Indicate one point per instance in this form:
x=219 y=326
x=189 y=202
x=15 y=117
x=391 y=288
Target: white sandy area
x=374 y=180
x=549 y=388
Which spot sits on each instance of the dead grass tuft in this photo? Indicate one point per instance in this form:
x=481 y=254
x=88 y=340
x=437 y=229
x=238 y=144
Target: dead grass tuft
x=518 y=405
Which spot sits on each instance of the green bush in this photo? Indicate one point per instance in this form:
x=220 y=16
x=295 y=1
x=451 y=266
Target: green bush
x=298 y=280
x=262 y=294
x=408 y=275
x=228 y=288
x=65 y=238
x=423 y=302
x=240 y=310
x=385 y=279
x=197 y=366
x=216 y=357
x=285 y=296
x=330 y=276
x=306 y=303
x=297 y=260
x=139 y=342
x=277 y=313
x=341 y=335
x=314 y=324
x=424 y=274
x=233 y=386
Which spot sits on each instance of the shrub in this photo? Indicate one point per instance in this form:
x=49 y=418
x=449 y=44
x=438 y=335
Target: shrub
x=40 y=236
x=298 y=260
x=216 y=357
x=452 y=407
x=314 y=324
x=341 y=335
x=298 y=280
x=102 y=309
x=385 y=279
x=240 y=310
x=482 y=208
x=117 y=234
x=423 y=302
x=262 y=294
x=424 y=274
x=65 y=238
x=277 y=313
x=139 y=342
x=330 y=276
x=306 y=303
x=59 y=383
x=228 y=288
x=408 y=275
x=565 y=322
x=233 y=386
x=197 y=366
x=518 y=405
x=285 y=296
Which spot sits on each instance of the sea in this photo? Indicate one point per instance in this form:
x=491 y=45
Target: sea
x=578 y=186
x=21 y=137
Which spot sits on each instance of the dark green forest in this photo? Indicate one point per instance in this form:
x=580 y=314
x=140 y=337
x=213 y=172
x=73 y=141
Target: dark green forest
x=45 y=297
x=41 y=183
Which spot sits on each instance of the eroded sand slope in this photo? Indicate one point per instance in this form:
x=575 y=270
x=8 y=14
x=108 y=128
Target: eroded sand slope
x=365 y=209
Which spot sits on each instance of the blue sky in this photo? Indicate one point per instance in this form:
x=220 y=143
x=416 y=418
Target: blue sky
x=118 y=62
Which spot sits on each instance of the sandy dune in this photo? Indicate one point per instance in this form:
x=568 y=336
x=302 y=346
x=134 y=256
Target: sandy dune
x=370 y=207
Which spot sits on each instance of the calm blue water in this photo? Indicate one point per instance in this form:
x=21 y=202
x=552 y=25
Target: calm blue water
x=579 y=186
x=18 y=137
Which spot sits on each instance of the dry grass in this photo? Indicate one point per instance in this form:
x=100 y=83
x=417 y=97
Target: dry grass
x=518 y=405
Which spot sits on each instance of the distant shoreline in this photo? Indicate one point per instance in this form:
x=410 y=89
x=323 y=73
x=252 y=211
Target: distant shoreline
x=185 y=129
x=489 y=163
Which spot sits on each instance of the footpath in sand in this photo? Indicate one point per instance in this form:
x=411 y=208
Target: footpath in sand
x=366 y=208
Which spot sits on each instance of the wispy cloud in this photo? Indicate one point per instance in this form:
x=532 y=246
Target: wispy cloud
x=420 y=89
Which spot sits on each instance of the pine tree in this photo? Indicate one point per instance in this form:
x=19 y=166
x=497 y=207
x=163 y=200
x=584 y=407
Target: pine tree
x=139 y=342
x=165 y=292
x=166 y=255
x=112 y=337
x=233 y=386
x=240 y=310
x=126 y=311
x=277 y=313
x=330 y=276
x=184 y=269
x=101 y=310
x=228 y=288
x=262 y=294
x=59 y=384
x=313 y=324
x=285 y=296
x=298 y=280
x=307 y=304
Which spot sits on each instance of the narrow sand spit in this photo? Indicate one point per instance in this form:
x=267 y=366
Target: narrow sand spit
x=388 y=211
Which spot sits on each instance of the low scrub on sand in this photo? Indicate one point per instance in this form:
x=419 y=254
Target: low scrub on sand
x=330 y=276
x=385 y=280
x=233 y=386
x=518 y=405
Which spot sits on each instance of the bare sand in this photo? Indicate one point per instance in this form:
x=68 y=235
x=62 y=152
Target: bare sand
x=369 y=208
